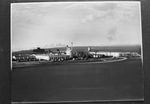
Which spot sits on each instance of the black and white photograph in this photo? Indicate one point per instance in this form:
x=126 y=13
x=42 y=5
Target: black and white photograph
x=64 y=52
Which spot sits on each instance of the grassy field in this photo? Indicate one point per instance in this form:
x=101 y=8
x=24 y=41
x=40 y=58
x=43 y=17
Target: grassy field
x=41 y=63
x=78 y=82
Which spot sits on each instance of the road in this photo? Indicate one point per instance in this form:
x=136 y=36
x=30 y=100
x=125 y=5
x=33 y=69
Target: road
x=78 y=82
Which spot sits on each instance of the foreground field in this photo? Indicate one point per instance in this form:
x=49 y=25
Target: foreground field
x=78 y=82
x=41 y=63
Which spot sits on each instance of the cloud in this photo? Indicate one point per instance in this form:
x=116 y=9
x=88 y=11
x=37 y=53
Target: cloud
x=91 y=11
x=110 y=11
x=94 y=15
x=102 y=23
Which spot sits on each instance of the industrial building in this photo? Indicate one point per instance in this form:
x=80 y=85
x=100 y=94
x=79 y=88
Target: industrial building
x=42 y=54
x=112 y=54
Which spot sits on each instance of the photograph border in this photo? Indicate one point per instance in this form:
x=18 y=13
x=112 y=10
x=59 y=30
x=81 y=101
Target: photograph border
x=5 y=73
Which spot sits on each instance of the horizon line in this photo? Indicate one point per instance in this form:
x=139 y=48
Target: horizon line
x=75 y=46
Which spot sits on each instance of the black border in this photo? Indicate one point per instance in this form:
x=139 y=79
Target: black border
x=5 y=72
x=5 y=52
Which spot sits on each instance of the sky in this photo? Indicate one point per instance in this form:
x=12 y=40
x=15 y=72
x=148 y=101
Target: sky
x=54 y=24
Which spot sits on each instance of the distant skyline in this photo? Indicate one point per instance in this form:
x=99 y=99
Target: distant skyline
x=51 y=24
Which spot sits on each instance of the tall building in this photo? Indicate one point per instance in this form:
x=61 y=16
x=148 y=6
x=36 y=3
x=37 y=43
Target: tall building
x=68 y=51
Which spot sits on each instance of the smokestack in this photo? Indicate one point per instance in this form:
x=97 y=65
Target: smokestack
x=71 y=45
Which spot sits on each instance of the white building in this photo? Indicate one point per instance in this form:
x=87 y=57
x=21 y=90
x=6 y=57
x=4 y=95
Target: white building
x=115 y=54
x=41 y=56
x=68 y=51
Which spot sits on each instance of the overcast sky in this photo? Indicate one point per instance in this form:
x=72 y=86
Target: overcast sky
x=85 y=24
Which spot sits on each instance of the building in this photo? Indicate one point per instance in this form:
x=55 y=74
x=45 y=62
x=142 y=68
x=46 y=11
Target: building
x=116 y=54
x=39 y=51
x=41 y=54
x=68 y=51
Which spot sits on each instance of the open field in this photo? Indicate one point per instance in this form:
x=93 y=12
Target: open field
x=39 y=63
x=78 y=82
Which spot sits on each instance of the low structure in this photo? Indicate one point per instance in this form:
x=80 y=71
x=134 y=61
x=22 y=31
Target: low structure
x=113 y=54
x=41 y=57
